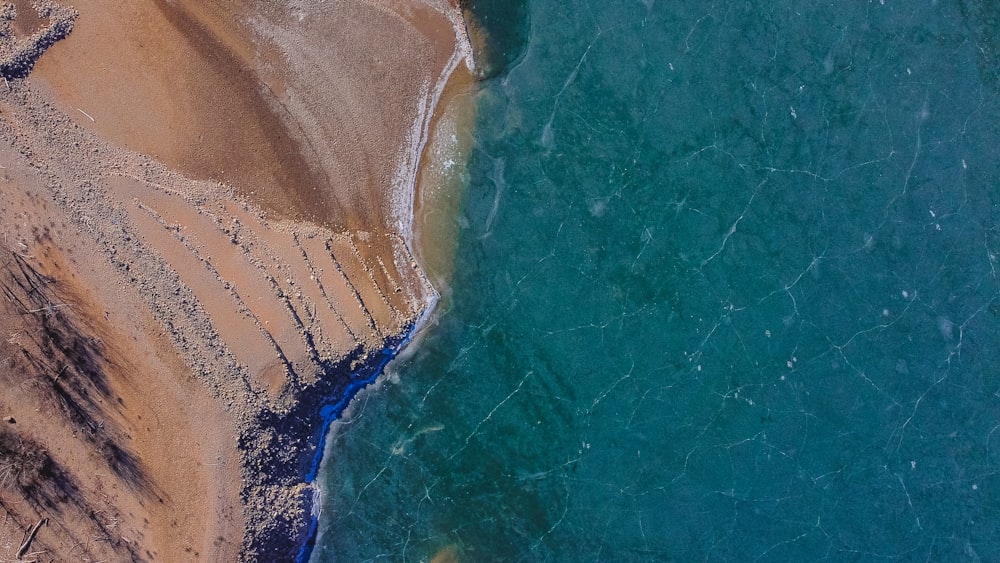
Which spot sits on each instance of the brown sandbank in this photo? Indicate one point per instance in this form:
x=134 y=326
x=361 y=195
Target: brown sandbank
x=206 y=232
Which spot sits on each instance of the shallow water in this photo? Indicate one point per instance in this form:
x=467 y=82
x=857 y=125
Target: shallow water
x=725 y=288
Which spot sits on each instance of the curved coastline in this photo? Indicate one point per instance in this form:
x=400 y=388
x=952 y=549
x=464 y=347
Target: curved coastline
x=408 y=184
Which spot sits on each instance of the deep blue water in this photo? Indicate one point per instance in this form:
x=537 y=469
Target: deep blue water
x=725 y=288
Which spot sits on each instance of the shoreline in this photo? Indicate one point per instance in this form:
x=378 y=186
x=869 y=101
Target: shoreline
x=441 y=178
x=331 y=413
x=274 y=320
x=410 y=168
x=406 y=178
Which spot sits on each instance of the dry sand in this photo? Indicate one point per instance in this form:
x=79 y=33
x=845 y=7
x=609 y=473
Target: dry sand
x=206 y=215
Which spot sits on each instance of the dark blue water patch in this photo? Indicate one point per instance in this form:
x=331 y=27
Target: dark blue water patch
x=726 y=289
x=499 y=31
x=358 y=380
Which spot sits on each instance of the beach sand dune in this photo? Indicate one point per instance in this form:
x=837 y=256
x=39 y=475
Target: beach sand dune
x=206 y=227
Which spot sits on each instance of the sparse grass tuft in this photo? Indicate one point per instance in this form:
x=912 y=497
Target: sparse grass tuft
x=22 y=462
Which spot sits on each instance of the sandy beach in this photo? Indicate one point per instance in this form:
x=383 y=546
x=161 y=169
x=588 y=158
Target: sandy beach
x=207 y=236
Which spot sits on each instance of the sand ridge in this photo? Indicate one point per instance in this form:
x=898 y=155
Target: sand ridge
x=226 y=313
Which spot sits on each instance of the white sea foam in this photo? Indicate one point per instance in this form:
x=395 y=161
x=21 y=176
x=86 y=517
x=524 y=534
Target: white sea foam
x=405 y=179
x=317 y=501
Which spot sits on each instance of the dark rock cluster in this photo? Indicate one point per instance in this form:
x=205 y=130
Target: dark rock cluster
x=19 y=55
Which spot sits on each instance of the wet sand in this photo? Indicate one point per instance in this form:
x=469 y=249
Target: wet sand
x=442 y=176
x=207 y=234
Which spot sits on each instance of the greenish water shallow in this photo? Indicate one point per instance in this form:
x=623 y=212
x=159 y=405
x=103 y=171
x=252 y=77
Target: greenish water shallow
x=725 y=288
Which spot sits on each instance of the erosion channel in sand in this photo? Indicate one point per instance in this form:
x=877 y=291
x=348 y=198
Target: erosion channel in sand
x=207 y=228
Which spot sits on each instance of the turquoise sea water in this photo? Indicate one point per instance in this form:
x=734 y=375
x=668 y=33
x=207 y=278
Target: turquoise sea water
x=726 y=288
